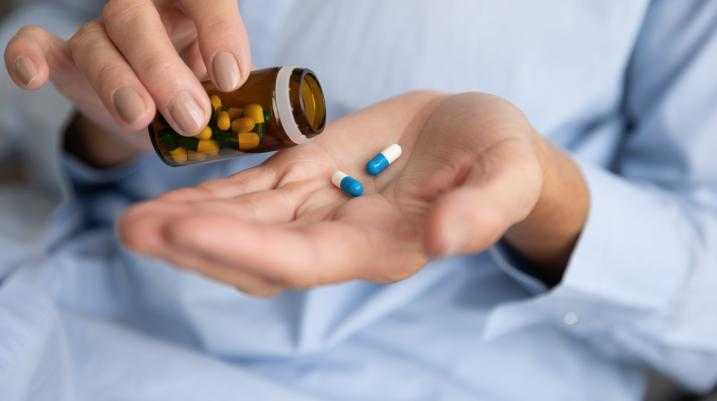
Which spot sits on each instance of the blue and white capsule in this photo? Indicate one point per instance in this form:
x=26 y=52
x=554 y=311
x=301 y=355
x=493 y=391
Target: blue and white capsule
x=349 y=185
x=381 y=161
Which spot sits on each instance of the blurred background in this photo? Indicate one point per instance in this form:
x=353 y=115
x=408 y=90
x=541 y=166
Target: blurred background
x=21 y=198
x=24 y=207
x=7 y=171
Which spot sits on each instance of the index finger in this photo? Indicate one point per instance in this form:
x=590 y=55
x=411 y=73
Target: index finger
x=295 y=257
x=367 y=240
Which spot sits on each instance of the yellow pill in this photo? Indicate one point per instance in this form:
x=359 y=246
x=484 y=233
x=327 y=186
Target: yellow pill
x=248 y=141
x=179 y=155
x=208 y=147
x=255 y=112
x=196 y=156
x=234 y=113
x=216 y=102
x=244 y=124
x=223 y=121
x=205 y=134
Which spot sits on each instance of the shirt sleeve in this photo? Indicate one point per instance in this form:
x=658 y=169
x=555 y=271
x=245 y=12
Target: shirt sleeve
x=641 y=283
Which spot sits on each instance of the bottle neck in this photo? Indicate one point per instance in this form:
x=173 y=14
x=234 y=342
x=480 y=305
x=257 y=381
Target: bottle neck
x=299 y=104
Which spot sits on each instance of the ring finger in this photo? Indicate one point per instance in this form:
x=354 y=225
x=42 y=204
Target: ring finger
x=112 y=78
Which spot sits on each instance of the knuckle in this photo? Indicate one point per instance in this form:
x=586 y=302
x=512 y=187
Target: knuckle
x=32 y=32
x=156 y=67
x=91 y=28
x=218 y=33
x=119 y=12
x=218 y=26
x=107 y=75
x=89 y=34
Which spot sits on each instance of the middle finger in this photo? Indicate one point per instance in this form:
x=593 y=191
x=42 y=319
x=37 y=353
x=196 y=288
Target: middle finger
x=136 y=28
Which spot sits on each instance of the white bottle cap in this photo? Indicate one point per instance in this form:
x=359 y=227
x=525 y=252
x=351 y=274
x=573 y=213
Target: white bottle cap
x=283 y=106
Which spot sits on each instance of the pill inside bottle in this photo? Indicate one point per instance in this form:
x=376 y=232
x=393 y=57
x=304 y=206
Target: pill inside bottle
x=276 y=108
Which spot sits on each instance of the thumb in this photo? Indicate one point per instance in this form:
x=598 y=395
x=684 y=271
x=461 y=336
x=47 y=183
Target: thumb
x=475 y=215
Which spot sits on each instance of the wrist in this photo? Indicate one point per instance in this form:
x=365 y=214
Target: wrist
x=547 y=236
x=98 y=147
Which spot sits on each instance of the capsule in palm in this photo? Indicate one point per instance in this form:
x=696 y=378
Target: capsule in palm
x=381 y=161
x=349 y=185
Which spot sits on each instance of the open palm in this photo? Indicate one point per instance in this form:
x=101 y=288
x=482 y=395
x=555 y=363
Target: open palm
x=469 y=171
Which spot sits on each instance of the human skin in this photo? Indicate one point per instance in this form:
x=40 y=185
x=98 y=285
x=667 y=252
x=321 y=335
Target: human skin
x=139 y=57
x=474 y=171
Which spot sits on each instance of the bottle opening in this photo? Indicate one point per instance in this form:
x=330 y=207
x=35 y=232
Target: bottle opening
x=312 y=101
x=308 y=105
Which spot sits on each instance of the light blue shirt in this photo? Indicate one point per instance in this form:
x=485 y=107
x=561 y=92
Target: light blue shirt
x=628 y=88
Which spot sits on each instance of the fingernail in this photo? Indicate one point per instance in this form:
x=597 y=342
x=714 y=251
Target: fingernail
x=129 y=104
x=26 y=70
x=187 y=113
x=226 y=71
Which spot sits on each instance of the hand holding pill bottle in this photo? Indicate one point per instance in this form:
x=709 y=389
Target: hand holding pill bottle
x=276 y=108
x=127 y=64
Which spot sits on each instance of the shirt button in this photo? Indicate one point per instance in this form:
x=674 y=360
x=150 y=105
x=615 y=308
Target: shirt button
x=571 y=318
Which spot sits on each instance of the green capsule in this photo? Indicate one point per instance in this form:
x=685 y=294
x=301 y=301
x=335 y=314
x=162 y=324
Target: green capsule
x=169 y=138
x=226 y=139
x=261 y=130
x=189 y=143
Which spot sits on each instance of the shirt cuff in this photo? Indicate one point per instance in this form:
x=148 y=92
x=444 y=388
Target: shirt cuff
x=79 y=172
x=626 y=259
x=629 y=250
x=517 y=268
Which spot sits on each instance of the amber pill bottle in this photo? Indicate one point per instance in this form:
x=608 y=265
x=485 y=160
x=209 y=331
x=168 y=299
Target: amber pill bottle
x=276 y=108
